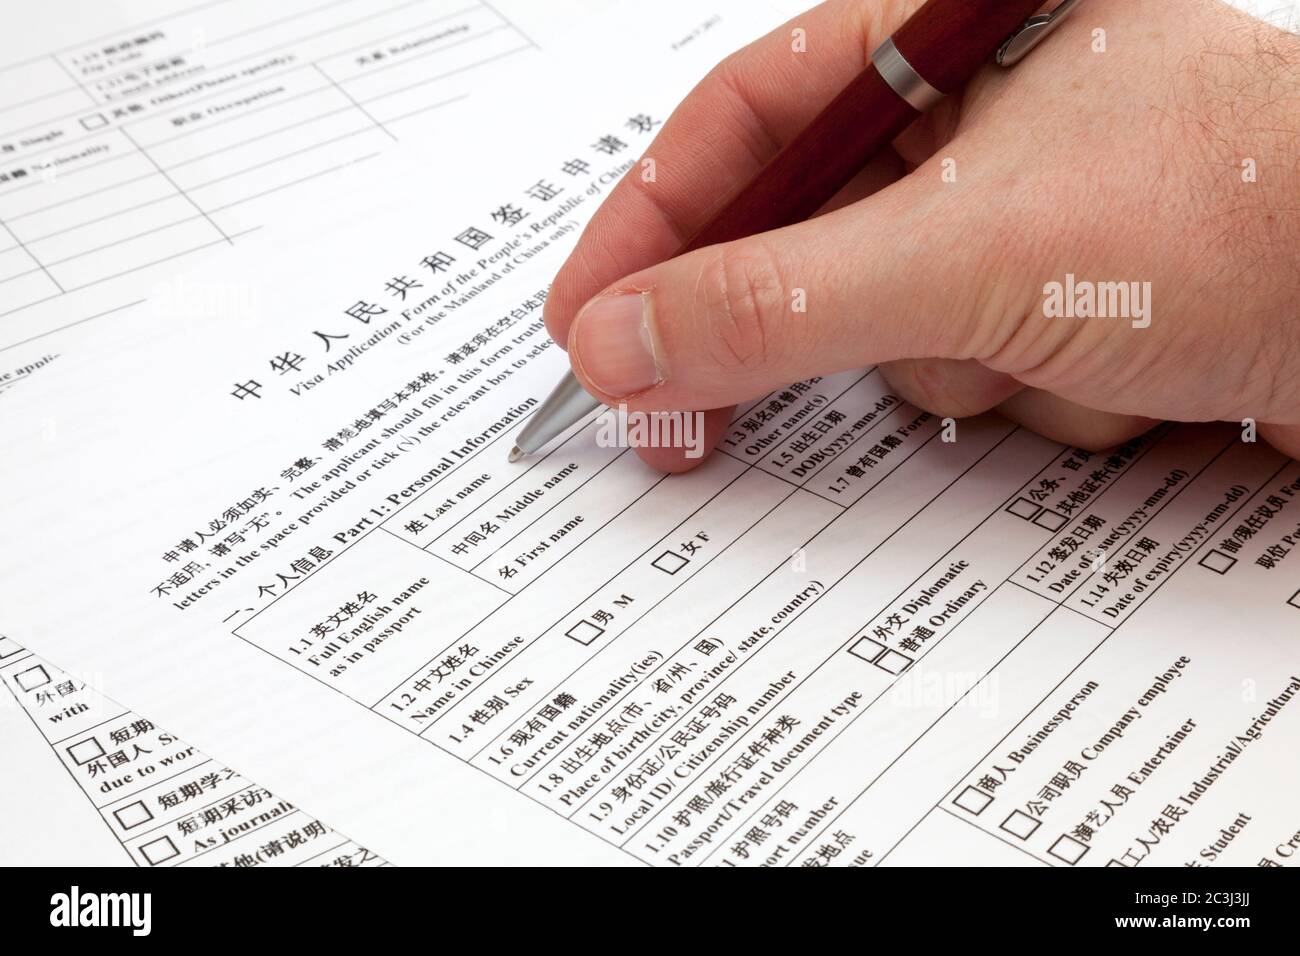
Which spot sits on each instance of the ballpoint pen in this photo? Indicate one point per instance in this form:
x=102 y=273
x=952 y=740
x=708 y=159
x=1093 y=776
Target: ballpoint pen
x=931 y=56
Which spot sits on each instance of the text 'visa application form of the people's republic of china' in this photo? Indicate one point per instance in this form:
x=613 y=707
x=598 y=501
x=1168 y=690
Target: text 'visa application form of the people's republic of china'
x=854 y=636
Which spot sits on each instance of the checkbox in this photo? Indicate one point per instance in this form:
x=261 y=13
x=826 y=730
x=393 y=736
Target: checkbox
x=8 y=647
x=1023 y=508
x=1068 y=850
x=84 y=751
x=873 y=652
x=867 y=649
x=159 y=851
x=1217 y=561
x=892 y=662
x=584 y=632
x=1294 y=600
x=94 y=121
x=670 y=562
x=1050 y=520
x=133 y=814
x=1020 y=824
x=972 y=800
x=32 y=678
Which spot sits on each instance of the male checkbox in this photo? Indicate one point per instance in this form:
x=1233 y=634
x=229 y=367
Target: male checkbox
x=584 y=632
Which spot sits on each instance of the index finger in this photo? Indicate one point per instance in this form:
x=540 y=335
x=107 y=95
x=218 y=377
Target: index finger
x=718 y=139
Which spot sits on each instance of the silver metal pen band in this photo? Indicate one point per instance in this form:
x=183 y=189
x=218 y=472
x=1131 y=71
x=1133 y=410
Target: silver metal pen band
x=903 y=78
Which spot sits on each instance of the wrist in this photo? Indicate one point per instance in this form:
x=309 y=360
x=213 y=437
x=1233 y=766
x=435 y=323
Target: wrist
x=1241 y=110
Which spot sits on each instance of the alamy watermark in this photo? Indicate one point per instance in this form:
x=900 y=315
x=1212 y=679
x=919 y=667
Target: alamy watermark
x=1081 y=299
x=76 y=908
x=620 y=428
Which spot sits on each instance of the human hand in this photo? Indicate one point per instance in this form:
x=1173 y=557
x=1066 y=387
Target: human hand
x=1132 y=165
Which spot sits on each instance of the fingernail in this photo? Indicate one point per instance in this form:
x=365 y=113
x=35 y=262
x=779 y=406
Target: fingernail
x=614 y=344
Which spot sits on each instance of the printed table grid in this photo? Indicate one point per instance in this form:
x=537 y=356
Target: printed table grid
x=98 y=181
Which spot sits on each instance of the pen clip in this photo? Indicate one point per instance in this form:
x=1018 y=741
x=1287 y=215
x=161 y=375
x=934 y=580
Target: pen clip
x=1034 y=31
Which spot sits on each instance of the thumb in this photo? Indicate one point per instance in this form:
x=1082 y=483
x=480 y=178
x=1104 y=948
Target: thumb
x=903 y=274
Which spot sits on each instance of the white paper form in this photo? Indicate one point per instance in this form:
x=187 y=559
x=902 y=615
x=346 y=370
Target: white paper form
x=131 y=142
x=409 y=59
x=845 y=640
x=88 y=783
x=701 y=37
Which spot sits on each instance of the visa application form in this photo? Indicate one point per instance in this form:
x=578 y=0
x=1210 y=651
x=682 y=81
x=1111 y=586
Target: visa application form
x=138 y=140
x=53 y=702
x=856 y=636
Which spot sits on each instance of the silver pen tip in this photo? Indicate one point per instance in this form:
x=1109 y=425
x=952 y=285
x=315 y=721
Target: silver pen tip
x=515 y=454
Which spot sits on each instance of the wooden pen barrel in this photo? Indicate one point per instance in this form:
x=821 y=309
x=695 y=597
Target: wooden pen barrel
x=947 y=41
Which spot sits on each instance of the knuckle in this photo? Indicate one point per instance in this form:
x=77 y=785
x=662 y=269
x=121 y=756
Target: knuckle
x=745 y=303
x=922 y=383
x=1099 y=438
x=1279 y=359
